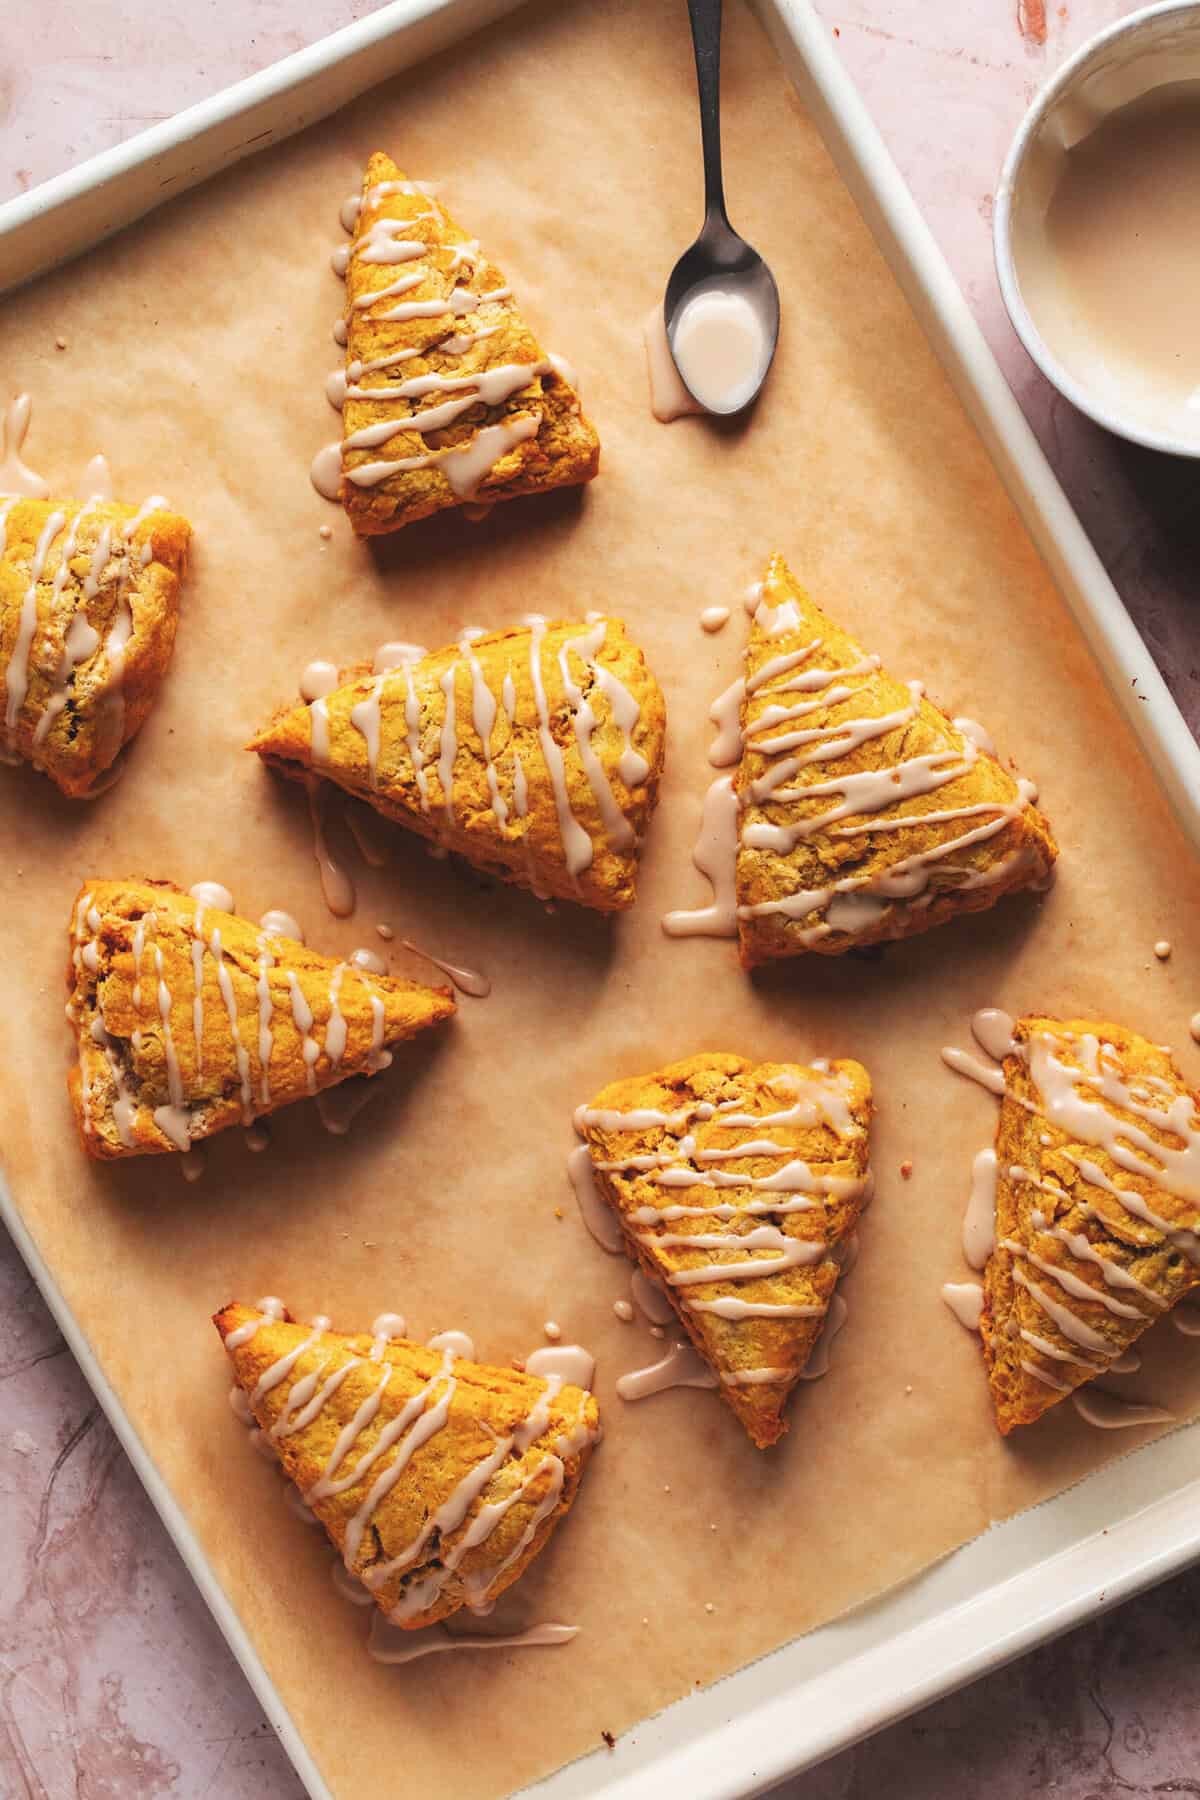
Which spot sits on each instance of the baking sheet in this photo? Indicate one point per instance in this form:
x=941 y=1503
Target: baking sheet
x=196 y=349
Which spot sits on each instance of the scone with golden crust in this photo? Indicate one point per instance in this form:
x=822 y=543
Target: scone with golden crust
x=449 y=397
x=438 y=1478
x=1097 y=1208
x=190 y=1020
x=535 y=752
x=89 y=600
x=866 y=812
x=737 y=1186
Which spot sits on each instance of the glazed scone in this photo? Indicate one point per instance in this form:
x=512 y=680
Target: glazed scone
x=746 y=1243
x=535 y=752
x=1097 y=1208
x=89 y=600
x=190 y=1019
x=866 y=813
x=449 y=396
x=438 y=1478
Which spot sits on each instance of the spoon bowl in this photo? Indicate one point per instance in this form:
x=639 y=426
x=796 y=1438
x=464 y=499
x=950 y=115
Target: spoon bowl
x=721 y=309
x=721 y=313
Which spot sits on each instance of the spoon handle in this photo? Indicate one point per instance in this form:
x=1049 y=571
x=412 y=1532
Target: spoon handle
x=706 y=41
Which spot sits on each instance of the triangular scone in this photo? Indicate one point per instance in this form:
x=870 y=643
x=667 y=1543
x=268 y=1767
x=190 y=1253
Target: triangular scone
x=1097 y=1208
x=535 y=752
x=437 y=1478
x=449 y=395
x=89 y=600
x=190 y=1019
x=866 y=813
x=715 y=1168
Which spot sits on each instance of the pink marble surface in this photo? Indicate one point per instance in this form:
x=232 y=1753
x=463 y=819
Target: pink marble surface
x=114 y=1681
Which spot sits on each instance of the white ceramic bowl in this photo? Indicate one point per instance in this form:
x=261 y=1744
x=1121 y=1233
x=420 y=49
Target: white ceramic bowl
x=1127 y=60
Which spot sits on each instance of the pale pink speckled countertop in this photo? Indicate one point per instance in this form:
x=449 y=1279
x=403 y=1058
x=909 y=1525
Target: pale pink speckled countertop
x=114 y=1681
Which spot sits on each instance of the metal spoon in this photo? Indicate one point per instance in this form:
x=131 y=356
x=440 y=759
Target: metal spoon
x=719 y=257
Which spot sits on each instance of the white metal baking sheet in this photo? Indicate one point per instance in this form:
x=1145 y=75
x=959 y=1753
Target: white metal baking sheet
x=1022 y=1582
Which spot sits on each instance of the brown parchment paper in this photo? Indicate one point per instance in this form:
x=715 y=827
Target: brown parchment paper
x=566 y=137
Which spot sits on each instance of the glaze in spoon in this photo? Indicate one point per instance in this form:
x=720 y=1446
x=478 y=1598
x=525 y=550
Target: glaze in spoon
x=721 y=309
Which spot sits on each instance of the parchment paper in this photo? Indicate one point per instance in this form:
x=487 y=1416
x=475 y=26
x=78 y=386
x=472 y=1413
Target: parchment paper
x=197 y=345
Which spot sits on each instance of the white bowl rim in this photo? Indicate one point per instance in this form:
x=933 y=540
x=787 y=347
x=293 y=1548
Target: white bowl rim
x=1010 y=288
